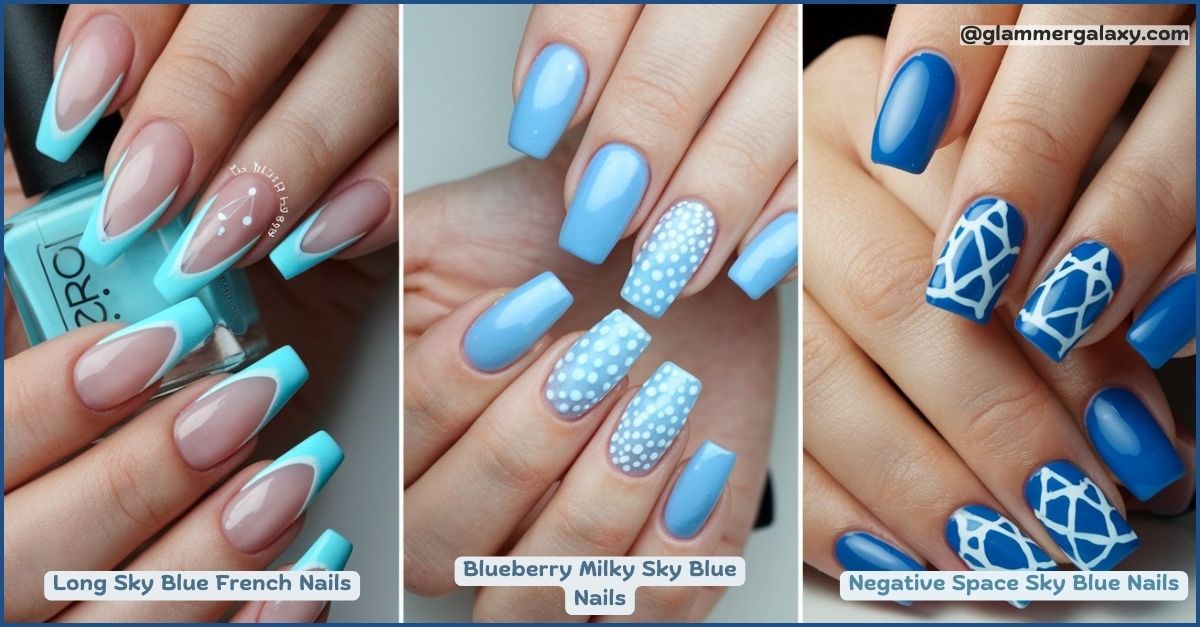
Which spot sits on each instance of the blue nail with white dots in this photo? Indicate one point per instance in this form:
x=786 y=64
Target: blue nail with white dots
x=653 y=418
x=669 y=258
x=594 y=364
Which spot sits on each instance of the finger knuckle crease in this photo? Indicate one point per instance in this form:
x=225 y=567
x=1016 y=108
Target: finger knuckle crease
x=887 y=281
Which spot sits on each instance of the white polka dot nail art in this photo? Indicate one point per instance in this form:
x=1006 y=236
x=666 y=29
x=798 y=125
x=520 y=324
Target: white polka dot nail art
x=669 y=258
x=653 y=418
x=587 y=372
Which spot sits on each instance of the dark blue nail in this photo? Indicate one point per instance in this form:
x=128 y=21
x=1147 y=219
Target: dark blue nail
x=914 y=113
x=1067 y=302
x=977 y=260
x=1078 y=516
x=1167 y=324
x=1131 y=443
x=859 y=550
x=986 y=540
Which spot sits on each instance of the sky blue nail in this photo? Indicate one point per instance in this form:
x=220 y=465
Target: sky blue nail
x=594 y=364
x=171 y=280
x=986 y=540
x=283 y=367
x=330 y=552
x=977 y=260
x=1067 y=302
x=60 y=143
x=1167 y=324
x=653 y=418
x=859 y=550
x=670 y=256
x=1078 y=517
x=1131 y=443
x=319 y=451
x=768 y=257
x=290 y=258
x=503 y=333
x=104 y=248
x=697 y=490
x=604 y=203
x=548 y=100
x=914 y=113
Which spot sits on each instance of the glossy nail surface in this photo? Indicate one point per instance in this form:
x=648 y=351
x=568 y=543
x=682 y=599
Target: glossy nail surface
x=227 y=415
x=125 y=363
x=670 y=256
x=607 y=197
x=914 y=113
x=986 y=540
x=1167 y=324
x=769 y=257
x=1067 y=302
x=1131 y=443
x=859 y=550
x=594 y=364
x=138 y=190
x=697 y=490
x=330 y=552
x=977 y=260
x=548 y=100
x=275 y=497
x=653 y=418
x=503 y=333
x=1079 y=517
x=85 y=82
x=337 y=224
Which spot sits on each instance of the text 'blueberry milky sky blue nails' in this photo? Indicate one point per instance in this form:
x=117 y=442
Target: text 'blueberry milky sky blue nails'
x=1067 y=302
x=977 y=260
x=594 y=364
x=653 y=418
x=670 y=256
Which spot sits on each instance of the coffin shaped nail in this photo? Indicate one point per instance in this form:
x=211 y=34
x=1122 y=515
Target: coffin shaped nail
x=607 y=197
x=1078 y=517
x=590 y=368
x=653 y=418
x=1131 y=443
x=503 y=333
x=768 y=257
x=337 y=224
x=1167 y=324
x=914 y=113
x=697 y=490
x=977 y=260
x=670 y=256
x=330 y=552
x=859 y=550
x=548 y=100
x=1067 y=302
x=986 y=540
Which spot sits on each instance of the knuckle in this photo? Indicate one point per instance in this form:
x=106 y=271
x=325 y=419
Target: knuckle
x=747 y=153
x=902 y=487
x=421 y=577
x=586 y=528
x=124 y=486
x=509 y=464
x=998 y=417
x=1149 y=189
x=654 y=96
x=203 y=72
x=308 y=135
x=1027 y=134
x=824 y=351
x=886 y=281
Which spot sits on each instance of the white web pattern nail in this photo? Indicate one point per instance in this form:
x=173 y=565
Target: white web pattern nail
x=669 y=258
x=970 y=231
x=973 y=527
x=653 y=418
x=1083 y=495
x=1099 y=266
x=594 y=364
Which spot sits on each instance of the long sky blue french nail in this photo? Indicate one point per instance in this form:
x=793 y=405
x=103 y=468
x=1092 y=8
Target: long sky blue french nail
x=1131 y=443
x=698 y=489
x=548 y=100
x=859 y=550
x=977 y=260
x=605 y=201
x=594 y=364
x=653 y=418
x=1167 y=324
x=330 y=552
x=503 y=333
x=1067 y=302
x=670 y=256
x=914 y=113
x=985 y=540
x=768 y=257
x=1078 y=517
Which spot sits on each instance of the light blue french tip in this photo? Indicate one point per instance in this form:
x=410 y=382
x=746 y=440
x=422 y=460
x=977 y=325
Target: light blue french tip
x=59 y=143
x=171 y=281
x=283 y=367
x=548 y=100
x=291 y=259
x=594 y=364
x=768 y=257
x=103 y=248
x=653 y=418
x=330 y=552
x=698 y=489
x=669 y=257
x=319 y=451
x=189 y=320
x=605 y=201
x=504 y=332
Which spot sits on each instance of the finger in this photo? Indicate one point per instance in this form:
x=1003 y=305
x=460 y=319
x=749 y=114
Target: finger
x=1165 y=322
x=770 y=251
x=330 y=552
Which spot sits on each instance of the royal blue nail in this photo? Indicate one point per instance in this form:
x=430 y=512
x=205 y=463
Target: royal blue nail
x=1167 y=324
x=914 y=113
x=698 y=489
x=1131 y=443
x=768 y=257
x=986 y=540
x=977 y=260
x=1067 y=302
x=608 y=195
x=1078 y=517
x=548 y=100
x=653 y=418
x=504 y=332
x=859 y=550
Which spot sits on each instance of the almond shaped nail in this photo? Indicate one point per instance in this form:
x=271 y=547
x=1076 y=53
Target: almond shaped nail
x=330 y=552
x=348 y=216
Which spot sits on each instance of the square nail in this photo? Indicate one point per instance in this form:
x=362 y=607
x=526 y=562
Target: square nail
x=507 y=330
x=1067 y=302
x=607 y=197
x=977 y=260
x=653 y=418
x=1078 y=517
x=860 y=550
x=769 y=256
x=1131 y=443
x=548 y=100
x=914 y=113
x=697 y=490
x=670 y=256
x=1167 y=324
x=985 y=540
x=594 y=364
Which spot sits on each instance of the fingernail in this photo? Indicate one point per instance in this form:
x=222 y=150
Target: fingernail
x=1131 y=443
x=138 y=190
x=670 y=256
x=1067 y=302
x=986 y=540
x=127 y=362
x=503 y=333
x=607 y=197
x=1079 y=517
x=768 y=257
x=340 y=222
x=220 y=232
x=594 y=364
x=859 y=550
x=914 y=113
x=1167 y=324
x=275 y=497
x=221 y=420
x=88 y=76
x=548 y=100
x=977 y=260
x=653 y=418
x=697 y=490
x=329 y=553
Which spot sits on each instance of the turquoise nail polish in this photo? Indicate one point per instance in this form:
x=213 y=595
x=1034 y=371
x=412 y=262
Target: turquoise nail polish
x=60 y=143
x=330 y=552
x=188 y=319
x=768 y=257
x=608 y=195
x=96 y=245
x=319 y=451
x=548 y=100
x=503 y=333
x=283 y=366
x=698 y=489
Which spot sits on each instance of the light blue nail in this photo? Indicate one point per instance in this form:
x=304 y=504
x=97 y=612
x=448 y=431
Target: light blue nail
x=594 y=364
x=653 y=418
x=291 y=259
x=172 y=281
x=103 y=248
x=330 y=552
x=508 y=328
x=283 y=367
x=548 y=100
x=319 y=451
x=698 y=489
x=670 y=256
x=768 y=257
x=189 y=320
x=608 y=195
x=59 y=143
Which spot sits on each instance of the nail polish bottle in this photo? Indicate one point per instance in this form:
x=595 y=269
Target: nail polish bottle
x=55 y=288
